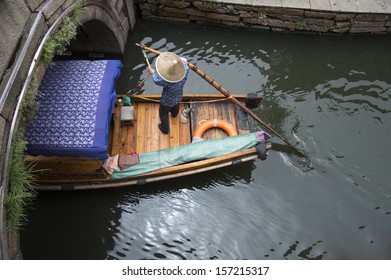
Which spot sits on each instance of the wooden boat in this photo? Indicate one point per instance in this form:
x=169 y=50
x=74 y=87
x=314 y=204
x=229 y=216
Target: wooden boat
x=82 y=126
x=142 y=136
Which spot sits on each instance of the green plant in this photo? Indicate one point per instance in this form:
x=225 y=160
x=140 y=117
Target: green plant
x=29 y=104
x=21 y=191
x=302 y=22
x=21 y=179
x=262 y=16
x=211 y=5
x=59 y=41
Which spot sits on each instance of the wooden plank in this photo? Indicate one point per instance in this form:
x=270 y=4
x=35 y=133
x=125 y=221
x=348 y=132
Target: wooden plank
x=243 y=121
x=184 y=130
x=174 y=131
x=154 y=130
x=131 y=131
x=148 y=128
x=130 y=138
x=218 y=111
x=57 y=169
x=116 y=131
x=140 y=128
x=123 y=138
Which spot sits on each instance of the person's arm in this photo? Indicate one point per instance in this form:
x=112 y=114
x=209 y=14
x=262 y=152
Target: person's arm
x=184 y=60
x=156 y=78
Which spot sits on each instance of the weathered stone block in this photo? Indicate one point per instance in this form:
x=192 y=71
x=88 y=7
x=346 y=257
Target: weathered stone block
x=4 y=134
x=232 y=24
x=256 y=21
x=285 y=17
x=316 y=28
x=223 y=17
x=164 y=13
x=175 y=4
x=14 y=15
x=244 y=14
x=280 y=23
x=372 y=17
x=213 y=7
x=367 y=24
x=67 y=4
x=27 y=58
x=246 y=8
x=342 y=25
x=195 y=12
x=340 y=30
x=343 y=17
x=312 y=14
x=368 y=29
x=320 y=22
x=278 y=29
x=34 y=4
x=186 y=11
x=125 y=24
x=54 y=17
x=284 y=11
x=51 y=8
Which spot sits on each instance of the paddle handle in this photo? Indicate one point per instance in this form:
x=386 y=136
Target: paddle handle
x=146 y=58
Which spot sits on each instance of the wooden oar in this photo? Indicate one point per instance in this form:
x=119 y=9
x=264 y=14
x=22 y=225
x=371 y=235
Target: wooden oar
x=225 y=92
x=146 y=58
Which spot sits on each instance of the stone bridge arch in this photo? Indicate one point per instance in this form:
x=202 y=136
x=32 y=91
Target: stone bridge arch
x=101 y=31
x=24 y=28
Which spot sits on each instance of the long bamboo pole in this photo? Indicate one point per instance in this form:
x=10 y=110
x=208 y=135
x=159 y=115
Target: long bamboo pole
x=226 y=93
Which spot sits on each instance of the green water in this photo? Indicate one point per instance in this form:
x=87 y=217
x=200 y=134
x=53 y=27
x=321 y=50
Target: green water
x=328 y=95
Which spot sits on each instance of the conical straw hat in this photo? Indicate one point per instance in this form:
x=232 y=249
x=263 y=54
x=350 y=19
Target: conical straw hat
x=170 y=67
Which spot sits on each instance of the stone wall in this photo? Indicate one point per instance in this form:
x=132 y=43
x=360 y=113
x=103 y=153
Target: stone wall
x=263 y=17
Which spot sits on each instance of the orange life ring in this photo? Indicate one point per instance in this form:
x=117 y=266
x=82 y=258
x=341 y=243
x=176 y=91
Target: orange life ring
x=205 y=125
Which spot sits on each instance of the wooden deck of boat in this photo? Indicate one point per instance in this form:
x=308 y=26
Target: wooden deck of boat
x=143 y=136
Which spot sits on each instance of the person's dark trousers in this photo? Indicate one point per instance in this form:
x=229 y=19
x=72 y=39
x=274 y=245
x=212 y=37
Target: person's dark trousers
x=164 y=126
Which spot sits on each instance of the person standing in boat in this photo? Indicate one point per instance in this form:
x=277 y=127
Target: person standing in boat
x=171 y=73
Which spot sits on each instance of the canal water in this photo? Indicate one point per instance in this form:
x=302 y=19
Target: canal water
x=328 y=95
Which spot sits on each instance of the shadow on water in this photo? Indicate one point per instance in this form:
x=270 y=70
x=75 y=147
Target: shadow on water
x=99 y=216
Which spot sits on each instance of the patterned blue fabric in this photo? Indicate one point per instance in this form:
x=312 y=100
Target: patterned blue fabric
x=172 y=92
x=75 y=102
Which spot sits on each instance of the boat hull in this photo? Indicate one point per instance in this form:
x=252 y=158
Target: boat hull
x=142 y=136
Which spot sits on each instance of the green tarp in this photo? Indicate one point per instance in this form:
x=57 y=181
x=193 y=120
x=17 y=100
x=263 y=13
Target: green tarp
x=187 y=153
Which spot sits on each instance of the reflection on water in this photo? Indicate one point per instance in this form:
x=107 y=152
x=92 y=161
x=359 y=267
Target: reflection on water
x=328 y=95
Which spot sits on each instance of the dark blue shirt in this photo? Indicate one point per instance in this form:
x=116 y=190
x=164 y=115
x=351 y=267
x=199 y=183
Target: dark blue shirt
x=172 y=92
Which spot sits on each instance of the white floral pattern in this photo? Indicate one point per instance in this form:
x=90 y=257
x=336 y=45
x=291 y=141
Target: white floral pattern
x=75 y=101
